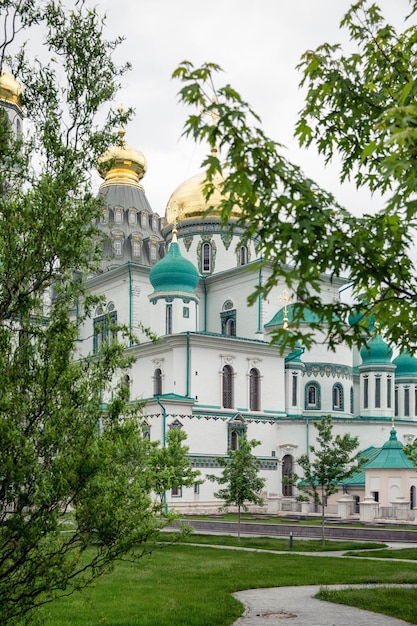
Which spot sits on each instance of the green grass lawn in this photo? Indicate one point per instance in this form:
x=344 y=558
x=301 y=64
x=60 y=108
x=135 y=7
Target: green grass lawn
x=183 y=585
x=401 y=553
x=399 y=603
x=279 y=544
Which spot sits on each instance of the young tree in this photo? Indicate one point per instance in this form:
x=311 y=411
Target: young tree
x=328 y=464
x=360 y=107
x=240 y=477
x=171 y=466
x=71 y=445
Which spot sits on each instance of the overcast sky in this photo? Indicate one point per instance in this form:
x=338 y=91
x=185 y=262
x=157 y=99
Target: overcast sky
x=258 y=45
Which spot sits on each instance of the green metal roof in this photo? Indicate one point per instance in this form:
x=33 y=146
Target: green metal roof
x=173 y=273
x=376 y=352
x=390 y=456
x=406 y=365
x=293 y=312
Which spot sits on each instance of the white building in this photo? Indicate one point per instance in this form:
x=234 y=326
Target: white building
x=213 y=371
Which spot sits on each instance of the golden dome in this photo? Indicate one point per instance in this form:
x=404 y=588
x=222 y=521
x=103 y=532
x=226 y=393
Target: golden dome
x=10 y=89
x=188 y=201
x=122 y=164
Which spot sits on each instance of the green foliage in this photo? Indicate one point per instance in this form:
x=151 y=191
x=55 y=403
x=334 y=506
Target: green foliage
x=411 y=451
x=71 y=443
x=170 y=464
x=240 y=477
x=328 y=464
x=359 y=107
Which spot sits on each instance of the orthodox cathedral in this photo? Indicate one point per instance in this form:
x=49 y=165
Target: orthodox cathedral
x=213 y=370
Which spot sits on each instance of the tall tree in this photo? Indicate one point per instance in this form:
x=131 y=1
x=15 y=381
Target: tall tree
x=242 y=484
x=171 y=466
x=71 y=444
x=361 y=108
x=328 y=464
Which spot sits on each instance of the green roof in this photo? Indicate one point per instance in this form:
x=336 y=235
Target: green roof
x=174 y=274
x=376 y=352
x=390 y=456
x=406 y=365
x=293 y=312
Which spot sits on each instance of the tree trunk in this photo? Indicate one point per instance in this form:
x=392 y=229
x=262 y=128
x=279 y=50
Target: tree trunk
x=323 y=540
x=238 y=522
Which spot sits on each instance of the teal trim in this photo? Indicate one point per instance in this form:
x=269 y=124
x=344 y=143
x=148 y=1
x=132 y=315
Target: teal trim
x=210 y=461
x=187 y=366
x=205 y=302
x=164 y=440
x=129 y=269
x=260 y=300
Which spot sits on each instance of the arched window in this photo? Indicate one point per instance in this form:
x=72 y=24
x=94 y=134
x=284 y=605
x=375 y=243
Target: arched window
x=126 y=385
x=168 y=319
x=377 y=392
x=337 y=394
x=243 y=255
x=157 y=382
x=287 y=471
x=312 y=396
x=351 y=401
x=206 y=258
x=230 y=327
x=117 y=247
x=254 y=390
x=132 y=217
x=413 y=499
x=136 y=247
x=365 y=392
x=234 y=440
x=118 y=216
x=227 y=387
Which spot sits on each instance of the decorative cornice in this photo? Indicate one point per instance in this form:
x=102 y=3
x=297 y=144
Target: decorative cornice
x=327 y=369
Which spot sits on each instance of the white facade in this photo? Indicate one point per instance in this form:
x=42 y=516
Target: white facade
x=213 y=371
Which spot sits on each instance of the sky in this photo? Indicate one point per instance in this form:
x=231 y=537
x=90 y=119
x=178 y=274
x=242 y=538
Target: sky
x=258 y=45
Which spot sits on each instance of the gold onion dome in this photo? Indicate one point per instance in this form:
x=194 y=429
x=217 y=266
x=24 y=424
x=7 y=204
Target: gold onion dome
x=10 y=89
x=122 y=164
x=188 y=200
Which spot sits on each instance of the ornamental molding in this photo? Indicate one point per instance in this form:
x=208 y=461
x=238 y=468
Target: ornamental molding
x=327 y=369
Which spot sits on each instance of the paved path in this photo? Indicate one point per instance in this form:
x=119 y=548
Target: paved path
x=296 y=606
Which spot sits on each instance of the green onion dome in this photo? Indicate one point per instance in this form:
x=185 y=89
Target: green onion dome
x=173 y=276
x=406 y=365
x=376 y=352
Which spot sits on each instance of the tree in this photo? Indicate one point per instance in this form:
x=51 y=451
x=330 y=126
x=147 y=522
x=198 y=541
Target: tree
x=328 y=464
x=171 y=466
x=240 y=477
x=71 y=444
x=359 y=107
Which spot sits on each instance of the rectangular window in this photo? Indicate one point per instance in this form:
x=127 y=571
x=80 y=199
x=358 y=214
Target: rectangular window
x=406 y=402
x=294 y=390
x=185 y=311
x=104 y=327
x=365 y=392
x=375 y=495
x=176 y=492
x=197 y=489
x=168 y=330
x=377 y=393
x=389 y=393
x=396 y=401
x=415 y=400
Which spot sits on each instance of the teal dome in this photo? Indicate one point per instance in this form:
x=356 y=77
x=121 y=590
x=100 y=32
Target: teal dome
x=406 y=365
x=173 y=275
x=376 y=352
